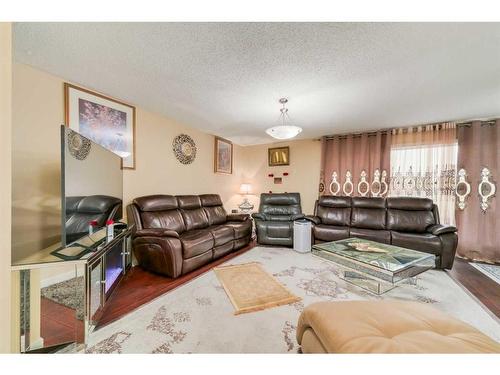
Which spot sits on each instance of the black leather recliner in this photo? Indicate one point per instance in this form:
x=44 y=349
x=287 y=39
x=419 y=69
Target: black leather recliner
x=80 y=211
x=274 y=222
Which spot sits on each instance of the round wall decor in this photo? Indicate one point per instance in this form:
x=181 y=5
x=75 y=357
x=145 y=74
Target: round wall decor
x=79 y=146
x=184 y=148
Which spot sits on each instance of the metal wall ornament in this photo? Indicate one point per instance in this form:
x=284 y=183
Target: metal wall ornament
x=78 y=146
x=363 y=192
x=462 y=189
x=335 y=184
x=184 y=148
x=348 y=187
x=486 y=189
x=376 y=187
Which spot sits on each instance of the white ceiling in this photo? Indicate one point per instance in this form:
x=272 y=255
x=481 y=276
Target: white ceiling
x=226 y=78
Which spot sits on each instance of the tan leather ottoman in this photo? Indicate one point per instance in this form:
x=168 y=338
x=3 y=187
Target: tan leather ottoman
x=386 y=327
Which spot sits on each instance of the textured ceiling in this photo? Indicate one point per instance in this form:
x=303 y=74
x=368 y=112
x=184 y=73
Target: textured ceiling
x=226 y=78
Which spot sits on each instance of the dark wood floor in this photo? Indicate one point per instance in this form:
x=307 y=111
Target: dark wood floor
x=139 y=287
x=58 y=324
x=481 y=286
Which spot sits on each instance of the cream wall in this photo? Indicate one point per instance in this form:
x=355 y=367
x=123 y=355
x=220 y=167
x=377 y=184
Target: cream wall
x=305 y=157
x=5 y=186
x=38 y=112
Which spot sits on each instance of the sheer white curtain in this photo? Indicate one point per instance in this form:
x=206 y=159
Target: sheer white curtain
x=423 y=164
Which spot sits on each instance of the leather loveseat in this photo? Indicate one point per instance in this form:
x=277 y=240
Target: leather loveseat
x=177 y=234
x=81 y=210
x=274 y=221
x=407 y=222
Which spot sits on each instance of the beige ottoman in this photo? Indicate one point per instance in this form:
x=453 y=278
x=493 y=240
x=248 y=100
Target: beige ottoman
x=386 y=327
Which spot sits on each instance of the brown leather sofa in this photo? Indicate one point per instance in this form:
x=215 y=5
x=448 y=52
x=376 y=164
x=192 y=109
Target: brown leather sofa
x=177 y=234
x=407 y=222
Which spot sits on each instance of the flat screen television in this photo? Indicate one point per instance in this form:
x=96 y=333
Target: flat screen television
x=91 y=186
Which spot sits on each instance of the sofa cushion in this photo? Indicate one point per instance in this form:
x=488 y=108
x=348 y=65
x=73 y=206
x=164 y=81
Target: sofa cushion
x=383 y=236
x=196 y=242
x=330 y=233
x=156 y=202
x=334 y=201
x=188 y=202
x=216 y=215
x=425 y=242
x=280 y=204
x=210 y=200
x=241 y=228
x=410 y=204
x=409 y=221
x=222 y=234
x=195 y=219
x=171 y=219
x=334 y=215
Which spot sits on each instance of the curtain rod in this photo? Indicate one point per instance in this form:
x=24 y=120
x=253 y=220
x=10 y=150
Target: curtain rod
x=463 y=123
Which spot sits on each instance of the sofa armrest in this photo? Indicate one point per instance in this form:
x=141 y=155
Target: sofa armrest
x=156 y=233
x=237 y=217
x=296 y=217
x=314 y=219
x=259 y=216
x=439 y=229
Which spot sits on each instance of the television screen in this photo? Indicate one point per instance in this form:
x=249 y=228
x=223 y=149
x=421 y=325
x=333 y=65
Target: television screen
x=92 y=186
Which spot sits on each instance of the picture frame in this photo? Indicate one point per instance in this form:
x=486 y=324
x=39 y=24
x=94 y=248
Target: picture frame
x=105 y=120
x=223 y=156
x=278 y=156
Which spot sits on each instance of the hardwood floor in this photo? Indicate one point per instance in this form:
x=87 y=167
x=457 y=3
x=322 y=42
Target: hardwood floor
x=481 y=286
x=58 y=324
x=139 y=287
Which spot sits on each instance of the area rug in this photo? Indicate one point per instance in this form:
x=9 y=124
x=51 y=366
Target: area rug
x=198 y=317
x=69 y=293
x=490 y=270
x=250 y=288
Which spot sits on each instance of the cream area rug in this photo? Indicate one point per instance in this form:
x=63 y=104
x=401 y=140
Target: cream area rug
x=198 y=317
x=250 y=288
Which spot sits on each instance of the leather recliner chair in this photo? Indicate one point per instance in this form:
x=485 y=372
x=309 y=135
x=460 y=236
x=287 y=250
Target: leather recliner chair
x=175 y=235
x=274 y=221
x=412 y=223
x=81 y=210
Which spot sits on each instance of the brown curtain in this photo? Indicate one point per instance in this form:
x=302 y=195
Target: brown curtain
x=355 y=153
x=479 y=227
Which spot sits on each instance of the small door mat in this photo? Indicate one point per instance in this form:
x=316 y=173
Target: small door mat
x=250 y=288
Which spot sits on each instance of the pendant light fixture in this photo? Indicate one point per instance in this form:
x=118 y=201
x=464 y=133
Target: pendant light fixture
x=284 y=131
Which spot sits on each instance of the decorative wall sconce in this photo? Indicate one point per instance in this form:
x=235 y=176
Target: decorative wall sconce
x=486 y=189
x=462 y=189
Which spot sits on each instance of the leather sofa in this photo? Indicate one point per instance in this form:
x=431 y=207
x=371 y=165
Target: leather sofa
x=274 y=221
x=175 y=235
x=81 y=210
x=412 y=223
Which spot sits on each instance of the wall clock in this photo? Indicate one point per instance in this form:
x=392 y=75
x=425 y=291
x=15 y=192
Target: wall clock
x=184 y=148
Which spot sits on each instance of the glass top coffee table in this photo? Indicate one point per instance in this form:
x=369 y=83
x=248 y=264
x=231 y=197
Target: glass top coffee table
x=374 y=266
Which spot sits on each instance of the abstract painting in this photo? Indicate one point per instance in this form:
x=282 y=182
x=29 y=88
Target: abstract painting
x=104 y=120
x=223 y=156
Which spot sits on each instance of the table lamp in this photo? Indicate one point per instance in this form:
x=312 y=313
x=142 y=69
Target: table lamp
x=245 y=190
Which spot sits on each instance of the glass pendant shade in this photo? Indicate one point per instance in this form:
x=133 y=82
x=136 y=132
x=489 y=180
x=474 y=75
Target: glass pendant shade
x=284 y=131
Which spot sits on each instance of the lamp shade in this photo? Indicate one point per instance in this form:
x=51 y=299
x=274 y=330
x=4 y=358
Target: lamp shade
x=245 y=189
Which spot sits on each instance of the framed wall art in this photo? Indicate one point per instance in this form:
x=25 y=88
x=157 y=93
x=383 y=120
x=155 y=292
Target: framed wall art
x=223 y=156
x=278 y=156
x=102 y=119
